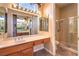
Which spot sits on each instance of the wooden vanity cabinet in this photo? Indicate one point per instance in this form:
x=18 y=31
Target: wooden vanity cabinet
x=24 y=49
x=16 y=50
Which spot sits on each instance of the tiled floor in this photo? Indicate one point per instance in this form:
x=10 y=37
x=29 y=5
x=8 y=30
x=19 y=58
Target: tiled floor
x=63 y=52
x=60 y=52
x=42 y=52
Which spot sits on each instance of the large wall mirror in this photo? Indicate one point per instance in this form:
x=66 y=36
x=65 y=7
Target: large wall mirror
x=44 y=24
x=23 y=25
x=3 y=22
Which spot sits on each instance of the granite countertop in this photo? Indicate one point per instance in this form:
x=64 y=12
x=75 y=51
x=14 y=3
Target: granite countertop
x=11 y=41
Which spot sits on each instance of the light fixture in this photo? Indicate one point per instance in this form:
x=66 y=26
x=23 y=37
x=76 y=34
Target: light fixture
x=25 y=9
x=19 y=7
x=32 y=11
x=35 y=12
x=28 y=10
x=14 y=6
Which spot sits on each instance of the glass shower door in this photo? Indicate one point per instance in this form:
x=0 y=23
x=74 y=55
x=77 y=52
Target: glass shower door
x=73 y=33
x=66 y=35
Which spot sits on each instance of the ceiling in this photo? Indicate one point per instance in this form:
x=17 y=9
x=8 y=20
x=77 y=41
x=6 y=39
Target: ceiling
x=60 y=5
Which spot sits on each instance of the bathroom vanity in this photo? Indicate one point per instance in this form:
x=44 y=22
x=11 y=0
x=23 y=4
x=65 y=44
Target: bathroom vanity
x=23 y=33
x=24 y=47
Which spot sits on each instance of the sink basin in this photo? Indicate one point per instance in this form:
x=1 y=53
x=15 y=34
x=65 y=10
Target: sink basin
x=19 y=39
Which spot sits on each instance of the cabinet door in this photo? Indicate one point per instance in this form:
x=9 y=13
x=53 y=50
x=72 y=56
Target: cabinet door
x=46 y=40
x=28 y=52
x=38 y=42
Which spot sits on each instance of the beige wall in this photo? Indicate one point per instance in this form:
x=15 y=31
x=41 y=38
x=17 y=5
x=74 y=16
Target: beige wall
x=51 y=47
x=66 y=11
x=78 y=27
x=69 y=11
x=48 y=9
x=43 y=10
x=57 y=13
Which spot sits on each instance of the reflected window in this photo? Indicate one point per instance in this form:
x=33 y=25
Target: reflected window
x=43 y=24
x=2 y=23
x=22 y=26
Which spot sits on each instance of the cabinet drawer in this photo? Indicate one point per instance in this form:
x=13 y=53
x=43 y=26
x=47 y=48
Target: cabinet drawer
x=16 y=54
x=28 y=52
x=38 y=42
x=13 y=49
x=46 y=40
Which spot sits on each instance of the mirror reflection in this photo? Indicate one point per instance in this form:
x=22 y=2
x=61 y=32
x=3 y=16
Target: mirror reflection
x=43 y=24
x=24 y=26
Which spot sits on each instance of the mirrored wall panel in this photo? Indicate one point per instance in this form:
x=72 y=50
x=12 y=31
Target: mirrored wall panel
x=44 y=24
x=23 y=25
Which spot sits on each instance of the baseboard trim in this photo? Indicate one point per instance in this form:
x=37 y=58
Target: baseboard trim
x=40 y=47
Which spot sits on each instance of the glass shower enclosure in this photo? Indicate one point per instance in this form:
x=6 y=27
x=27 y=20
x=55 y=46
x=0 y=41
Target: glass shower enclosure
x=66 y=34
